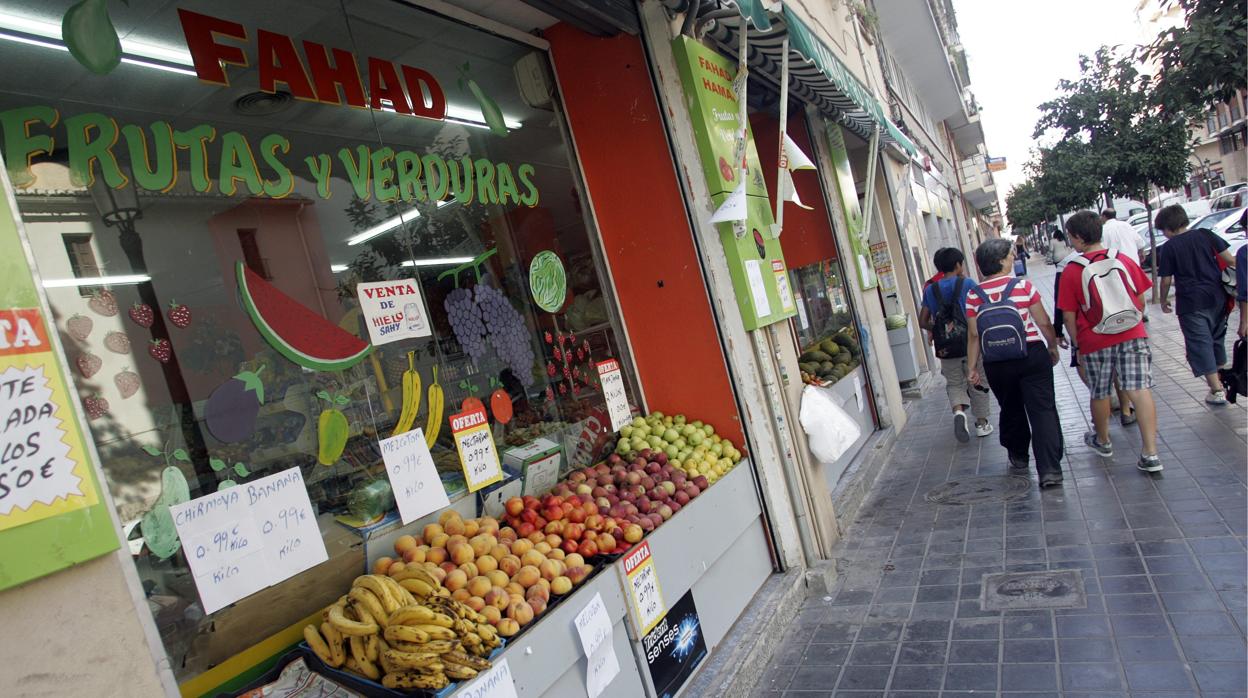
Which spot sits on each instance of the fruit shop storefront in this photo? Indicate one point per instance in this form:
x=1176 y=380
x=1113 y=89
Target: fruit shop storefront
x=364 y=371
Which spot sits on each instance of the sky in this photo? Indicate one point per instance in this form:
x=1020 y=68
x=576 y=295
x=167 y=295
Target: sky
x=1018 y=51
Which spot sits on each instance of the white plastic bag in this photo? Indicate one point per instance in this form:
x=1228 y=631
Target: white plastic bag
x=829 y=429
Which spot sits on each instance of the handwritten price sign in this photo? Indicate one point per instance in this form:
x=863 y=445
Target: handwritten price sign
x=477 y=454
x=643 y=587
x=613 y=391
x=413 y=475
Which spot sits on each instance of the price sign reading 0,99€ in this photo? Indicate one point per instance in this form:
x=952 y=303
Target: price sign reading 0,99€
x=475 y=444
x=642 y=583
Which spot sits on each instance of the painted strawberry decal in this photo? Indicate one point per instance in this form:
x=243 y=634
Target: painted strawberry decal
x=96 y=406
x=88 y=364
x=550 y=394
x=127 y=383
x=142 y=315
x=117 y=342
x=179 y=315
x=558 y=355
x=161 y=350
x=550 y=339
x=103 y=303
x=79 y=327
x=551 y=370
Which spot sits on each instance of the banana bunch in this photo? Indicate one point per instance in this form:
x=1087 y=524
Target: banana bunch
x=406 y=632
x=411 y=396
x=437 y=402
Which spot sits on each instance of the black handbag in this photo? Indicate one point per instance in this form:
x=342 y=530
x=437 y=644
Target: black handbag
x=1235 y=378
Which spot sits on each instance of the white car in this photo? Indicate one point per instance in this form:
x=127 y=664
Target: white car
x=1227 y=224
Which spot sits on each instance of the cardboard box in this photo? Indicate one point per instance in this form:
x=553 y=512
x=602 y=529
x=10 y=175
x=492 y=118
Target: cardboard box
x=539 y=464
x=490 y=499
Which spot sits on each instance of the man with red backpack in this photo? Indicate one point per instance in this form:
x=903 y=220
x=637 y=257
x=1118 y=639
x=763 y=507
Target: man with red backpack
x=1101 y=298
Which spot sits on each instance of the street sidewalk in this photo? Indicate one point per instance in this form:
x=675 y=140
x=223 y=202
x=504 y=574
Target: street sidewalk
x=1162 y=560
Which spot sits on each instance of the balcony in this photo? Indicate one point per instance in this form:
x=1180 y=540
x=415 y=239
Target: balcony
x=978 y=187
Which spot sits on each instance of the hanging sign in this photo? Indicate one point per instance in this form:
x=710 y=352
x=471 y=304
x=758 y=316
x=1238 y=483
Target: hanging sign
x=495 y=682
x=547 y=281
x=642 y=583
x=782 y=286
x=240 y=540
x=477 y=454
x=612 y=380
x=593 y=626
x=675 y=647
x=393 y=310
x=413 y=475
x=42 y=469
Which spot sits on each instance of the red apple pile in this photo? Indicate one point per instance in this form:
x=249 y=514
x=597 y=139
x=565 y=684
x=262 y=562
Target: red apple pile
x=573 y=523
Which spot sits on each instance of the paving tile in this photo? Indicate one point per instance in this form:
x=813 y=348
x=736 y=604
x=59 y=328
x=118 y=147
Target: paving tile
x=873 y=653
x=1147 y=649
x=974 y=652
x=1221 y=676
x=1027 y=627
x=1090 y=677
x=1154 y=676
x=835 y=632
x=971 y=677
x=1203 y=624
x=1213 y=648
x=1083 y=626
x=1086 y=650
x=1029 y=651
x=976 y=629
x=926 y=630
x=880 y=632
x=814 y=678
x=863 y=678
x=922 y=653
x=916 y=677
x=1028 y=677
x=1146 y=625
x=819 y=653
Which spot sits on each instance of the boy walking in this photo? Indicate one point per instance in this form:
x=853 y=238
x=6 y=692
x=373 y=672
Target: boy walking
x=943 y=315
x=1101 y=298
x=1189 y=261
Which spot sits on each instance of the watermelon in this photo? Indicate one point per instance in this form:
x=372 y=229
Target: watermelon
x=294 y=331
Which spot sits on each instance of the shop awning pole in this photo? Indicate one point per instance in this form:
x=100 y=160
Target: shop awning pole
x=741 y=87
x=782 y=159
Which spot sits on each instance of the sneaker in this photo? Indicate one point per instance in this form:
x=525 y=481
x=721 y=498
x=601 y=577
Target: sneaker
x=1105 y=450
x=1050 y=480
x=1129 y=419
x=959 y=427
x=1150 y=464
x=982 y=430
x=1216 y=397
x=1019 y=463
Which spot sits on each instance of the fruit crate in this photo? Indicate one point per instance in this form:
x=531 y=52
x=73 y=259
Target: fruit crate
x=373 y=689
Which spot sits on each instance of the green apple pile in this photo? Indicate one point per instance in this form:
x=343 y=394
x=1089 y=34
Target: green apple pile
x=691 y=447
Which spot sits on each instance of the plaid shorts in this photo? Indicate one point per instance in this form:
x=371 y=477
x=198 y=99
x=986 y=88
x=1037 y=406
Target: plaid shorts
x=1131 y=362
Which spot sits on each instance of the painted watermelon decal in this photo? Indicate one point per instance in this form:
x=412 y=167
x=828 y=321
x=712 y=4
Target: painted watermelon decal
x=294 y=331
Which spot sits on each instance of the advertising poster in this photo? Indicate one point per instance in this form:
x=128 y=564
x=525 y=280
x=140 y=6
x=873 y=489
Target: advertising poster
x=675 y=647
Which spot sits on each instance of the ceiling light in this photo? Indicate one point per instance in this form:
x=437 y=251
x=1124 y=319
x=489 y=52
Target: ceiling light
x=436 y=262
x=383 y=227
x=472 y=117
x=129 y=280
x=52 y=30
x=338 y=268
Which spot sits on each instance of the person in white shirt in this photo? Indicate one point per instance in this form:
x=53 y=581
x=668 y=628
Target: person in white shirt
x=1120 y=236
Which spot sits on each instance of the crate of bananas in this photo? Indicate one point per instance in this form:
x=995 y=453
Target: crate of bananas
x=402 y=634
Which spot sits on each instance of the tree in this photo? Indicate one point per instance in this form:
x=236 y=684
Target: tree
x=1202 y=62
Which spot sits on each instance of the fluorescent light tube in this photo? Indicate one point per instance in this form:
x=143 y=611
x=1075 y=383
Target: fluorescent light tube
x=382 y=228
x=52 y=30
x=129 y=280
x=436 y=262
x=338 y=268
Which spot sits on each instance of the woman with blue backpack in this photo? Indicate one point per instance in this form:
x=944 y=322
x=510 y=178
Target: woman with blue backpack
x=1009 y=329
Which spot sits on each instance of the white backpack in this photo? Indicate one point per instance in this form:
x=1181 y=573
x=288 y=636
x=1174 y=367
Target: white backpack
x=1115 y=294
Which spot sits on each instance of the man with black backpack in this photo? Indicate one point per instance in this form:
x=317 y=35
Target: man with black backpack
x=1101 y=298
x=943 y=315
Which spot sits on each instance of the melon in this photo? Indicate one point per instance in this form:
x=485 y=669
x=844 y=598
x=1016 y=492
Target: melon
x=294 y=331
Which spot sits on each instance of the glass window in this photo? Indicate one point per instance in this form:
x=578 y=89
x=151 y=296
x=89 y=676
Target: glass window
x=825 y=322
x=1235 y=113
x=155 y=197
x=1211 y=123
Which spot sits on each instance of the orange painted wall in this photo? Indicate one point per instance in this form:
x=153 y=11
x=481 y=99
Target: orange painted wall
x=807 y=237
x=641 y=216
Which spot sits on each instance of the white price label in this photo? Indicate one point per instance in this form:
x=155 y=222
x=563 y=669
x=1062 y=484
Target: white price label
x=495 y=682
x=782 y=285
x=250 y=536
x=413 y=475
x=477 y=455
x=612 y=380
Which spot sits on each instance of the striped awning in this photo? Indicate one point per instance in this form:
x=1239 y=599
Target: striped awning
x=816 y=75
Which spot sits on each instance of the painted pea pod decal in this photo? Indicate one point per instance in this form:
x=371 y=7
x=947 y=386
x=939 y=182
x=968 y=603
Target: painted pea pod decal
x=332 y=429
x=90 y=36
x=490 y=112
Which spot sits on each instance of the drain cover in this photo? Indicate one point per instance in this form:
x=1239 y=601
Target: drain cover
x=1022 y=591
x=980 y=490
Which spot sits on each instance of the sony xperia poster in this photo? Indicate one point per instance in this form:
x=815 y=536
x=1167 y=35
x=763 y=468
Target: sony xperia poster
x=675 y=647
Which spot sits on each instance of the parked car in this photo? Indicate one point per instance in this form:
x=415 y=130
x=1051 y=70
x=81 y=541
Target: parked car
x=1228 y=224
x=1228 y=189
x=1146 y=252
x=1230 y=200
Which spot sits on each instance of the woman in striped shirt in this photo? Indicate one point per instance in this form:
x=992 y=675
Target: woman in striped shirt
x=1024 y=387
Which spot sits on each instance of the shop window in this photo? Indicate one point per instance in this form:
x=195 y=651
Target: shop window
x=480 y=210
x=1211 y=123
x=81 y=260
x=825 y=322
x=1222 y=120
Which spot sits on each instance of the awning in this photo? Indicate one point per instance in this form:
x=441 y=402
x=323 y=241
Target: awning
x=816 y=75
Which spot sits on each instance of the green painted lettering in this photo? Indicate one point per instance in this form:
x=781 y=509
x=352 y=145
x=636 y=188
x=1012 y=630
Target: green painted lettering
x=20 y=147
x=383 y=175
x=158 y=176
x=436 y=178
x=525 y=172
x=507 y=185
x=359 y=170
x=281 y=187
x=461 y=187
x=485 y=182
x=321 y=167
x=237 y=163
x=408 y=165
x=196 y=141
x=90 y=138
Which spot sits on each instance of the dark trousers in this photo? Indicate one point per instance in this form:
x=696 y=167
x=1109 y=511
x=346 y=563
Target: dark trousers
x=1024 y=389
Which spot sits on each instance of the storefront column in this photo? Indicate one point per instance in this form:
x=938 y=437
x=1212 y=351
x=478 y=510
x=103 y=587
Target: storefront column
x=891 y=222
x=739 y=346
x=879 y=358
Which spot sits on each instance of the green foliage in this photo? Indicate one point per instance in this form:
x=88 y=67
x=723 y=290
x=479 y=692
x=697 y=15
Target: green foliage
x=1203 y=61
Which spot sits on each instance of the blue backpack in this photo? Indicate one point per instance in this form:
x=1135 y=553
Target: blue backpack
x=1002 y=332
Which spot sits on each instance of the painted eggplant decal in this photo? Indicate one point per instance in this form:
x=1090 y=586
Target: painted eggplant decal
x=231 y=412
